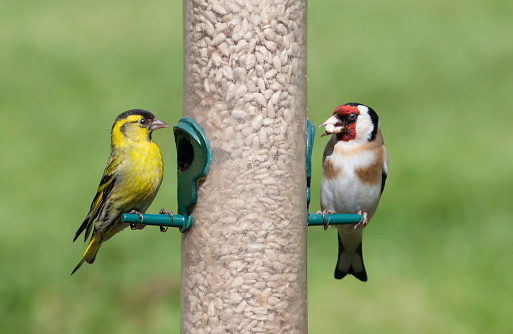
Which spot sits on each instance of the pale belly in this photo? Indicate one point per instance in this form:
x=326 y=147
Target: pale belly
x=347 y=194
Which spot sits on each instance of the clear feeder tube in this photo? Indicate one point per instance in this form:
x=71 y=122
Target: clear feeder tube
x=244 y=258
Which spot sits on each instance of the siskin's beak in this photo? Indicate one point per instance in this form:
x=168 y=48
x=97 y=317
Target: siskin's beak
x=158 y=124
x=332 y=125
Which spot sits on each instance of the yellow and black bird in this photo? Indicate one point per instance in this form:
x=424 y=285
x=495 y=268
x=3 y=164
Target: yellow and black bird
x=130 y=180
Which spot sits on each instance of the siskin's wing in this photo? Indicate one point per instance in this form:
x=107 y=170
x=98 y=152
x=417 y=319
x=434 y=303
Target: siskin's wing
x=102 y=194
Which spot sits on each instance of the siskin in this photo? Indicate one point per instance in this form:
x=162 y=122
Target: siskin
x=130 y=180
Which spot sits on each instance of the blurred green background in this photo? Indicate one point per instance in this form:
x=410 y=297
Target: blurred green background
x=438 y=252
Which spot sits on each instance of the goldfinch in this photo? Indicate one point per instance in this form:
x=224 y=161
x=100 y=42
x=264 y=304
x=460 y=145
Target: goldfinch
x=354 y=170
x=130 y=181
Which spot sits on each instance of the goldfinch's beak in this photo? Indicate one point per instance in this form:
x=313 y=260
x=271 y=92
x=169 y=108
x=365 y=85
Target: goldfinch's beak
x=158 y=124
x=332 y=125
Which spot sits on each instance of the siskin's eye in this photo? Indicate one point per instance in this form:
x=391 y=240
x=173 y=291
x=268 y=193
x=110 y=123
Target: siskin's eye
x=352 y=117
x=143 y=121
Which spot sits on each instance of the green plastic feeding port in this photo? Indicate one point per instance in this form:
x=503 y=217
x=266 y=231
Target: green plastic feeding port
x=193 y=154
x=310 y=135
x=193 y=161
x=316 y=219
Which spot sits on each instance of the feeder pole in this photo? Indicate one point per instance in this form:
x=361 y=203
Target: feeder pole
x=244 y=257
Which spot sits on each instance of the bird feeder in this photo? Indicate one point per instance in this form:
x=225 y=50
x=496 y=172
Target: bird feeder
x=244 y=257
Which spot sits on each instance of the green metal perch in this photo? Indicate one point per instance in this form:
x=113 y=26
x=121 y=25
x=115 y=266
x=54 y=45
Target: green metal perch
x=155 y=219
x=314 y=219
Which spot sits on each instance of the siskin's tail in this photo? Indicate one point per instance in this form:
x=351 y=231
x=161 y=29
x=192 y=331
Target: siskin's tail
x=350 y=263
x=90 y=253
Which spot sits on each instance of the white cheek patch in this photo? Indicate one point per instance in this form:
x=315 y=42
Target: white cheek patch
x=364 y=128
x=363 y=109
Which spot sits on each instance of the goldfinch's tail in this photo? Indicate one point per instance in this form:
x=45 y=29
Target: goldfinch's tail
x=90 y=253
x=350 y=263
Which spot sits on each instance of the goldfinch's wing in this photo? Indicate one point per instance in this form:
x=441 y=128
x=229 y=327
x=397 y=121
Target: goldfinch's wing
x=384 y=171
x=102 y=194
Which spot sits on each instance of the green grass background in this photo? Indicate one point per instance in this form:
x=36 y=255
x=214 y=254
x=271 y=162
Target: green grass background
x=438 y=252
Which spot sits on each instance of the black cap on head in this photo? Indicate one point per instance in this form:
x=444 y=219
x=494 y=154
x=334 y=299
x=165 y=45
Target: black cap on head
x=142 y=112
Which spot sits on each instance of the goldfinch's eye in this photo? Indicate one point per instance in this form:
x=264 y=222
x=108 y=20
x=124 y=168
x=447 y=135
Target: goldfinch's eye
x=352 y=117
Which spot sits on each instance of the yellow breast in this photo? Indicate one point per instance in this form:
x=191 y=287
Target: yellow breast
x=143 y=173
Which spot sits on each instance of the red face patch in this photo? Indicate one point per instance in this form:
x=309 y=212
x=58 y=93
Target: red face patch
x=346 y=109
x=349 y=132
